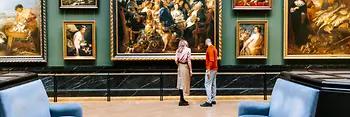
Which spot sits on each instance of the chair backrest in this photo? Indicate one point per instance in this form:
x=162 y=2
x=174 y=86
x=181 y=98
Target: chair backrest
x=290 y=99
x=27 y=100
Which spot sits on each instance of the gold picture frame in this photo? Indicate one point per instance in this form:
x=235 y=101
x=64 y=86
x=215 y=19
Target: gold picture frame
x=250 y=45
x=120 y=46
x=79 y=41
x=85 y=4
x=23 y=40
x=315 y=36
x=248 y=5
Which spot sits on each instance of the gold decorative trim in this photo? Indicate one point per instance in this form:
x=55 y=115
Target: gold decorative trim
x=81 y=74
x=113 y=45
x=43 y=43
x=111 y=25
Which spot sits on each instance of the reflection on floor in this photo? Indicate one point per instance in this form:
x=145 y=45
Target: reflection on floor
x=156 y=108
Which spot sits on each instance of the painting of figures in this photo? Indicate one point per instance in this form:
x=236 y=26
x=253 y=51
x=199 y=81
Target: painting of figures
x=78 y=3
x=79 y=40
x=151 y=29
x=21 y=32
x=317 y=29
x=252 y=4
x=252 y=39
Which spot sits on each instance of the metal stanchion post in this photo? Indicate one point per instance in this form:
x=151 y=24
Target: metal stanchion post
x=108 y=88
x=161 y=86
x=55 y=88
x=265 y=87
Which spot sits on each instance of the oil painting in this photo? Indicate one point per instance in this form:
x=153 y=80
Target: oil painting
x=22 y=31
x=252 y=39
x=252 y=4
x=317 y=29
x=151 y=29
x=79 y=40
x=71 y=4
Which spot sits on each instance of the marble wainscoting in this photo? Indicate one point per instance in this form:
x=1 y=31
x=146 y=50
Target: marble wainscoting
x=148 y=84
x=76 y=86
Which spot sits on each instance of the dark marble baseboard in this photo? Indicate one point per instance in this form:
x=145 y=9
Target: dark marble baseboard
x=149 y=85
x=71 y=81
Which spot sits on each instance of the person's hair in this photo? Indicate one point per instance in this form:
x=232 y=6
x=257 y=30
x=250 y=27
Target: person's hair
x=208 y=41
x=178 y=6
x=82 y=27
x=182 y=45
x=259 y=28
x=18 y=6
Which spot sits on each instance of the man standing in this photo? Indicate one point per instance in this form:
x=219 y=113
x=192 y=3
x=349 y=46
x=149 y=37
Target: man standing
x=210 y=76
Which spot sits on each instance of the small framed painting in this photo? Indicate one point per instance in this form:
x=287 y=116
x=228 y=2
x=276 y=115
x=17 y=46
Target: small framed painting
x=79 y=40
x=252 y=39
x=80 y=4
x=252 y=4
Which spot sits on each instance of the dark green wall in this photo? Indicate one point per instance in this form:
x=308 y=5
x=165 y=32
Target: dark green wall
x=275 y=21
x=56 y=16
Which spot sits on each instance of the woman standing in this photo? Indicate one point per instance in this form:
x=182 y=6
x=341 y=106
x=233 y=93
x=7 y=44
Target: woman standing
x=184 y=71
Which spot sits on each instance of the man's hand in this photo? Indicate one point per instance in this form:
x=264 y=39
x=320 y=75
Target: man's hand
x=208 y=74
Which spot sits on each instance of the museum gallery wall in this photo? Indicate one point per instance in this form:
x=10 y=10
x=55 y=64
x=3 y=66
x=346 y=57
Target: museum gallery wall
x=144 y=30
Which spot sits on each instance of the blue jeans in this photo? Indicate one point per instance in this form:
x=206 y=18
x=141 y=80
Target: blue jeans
x=210 y=85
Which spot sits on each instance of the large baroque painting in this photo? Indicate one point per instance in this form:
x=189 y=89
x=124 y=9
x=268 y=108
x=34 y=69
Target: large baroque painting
x=22 y=31
x=151 y=29
x=317 y=29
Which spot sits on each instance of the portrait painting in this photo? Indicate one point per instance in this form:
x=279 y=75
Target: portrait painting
x=71 y=4
x=152 y=29
x=252 y=39
x=22 y=31
x=252 y=4
x=79 y=40
x=317 y=29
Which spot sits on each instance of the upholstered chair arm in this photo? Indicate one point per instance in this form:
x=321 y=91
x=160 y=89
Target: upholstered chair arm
x=253 y=108
x=66 y=110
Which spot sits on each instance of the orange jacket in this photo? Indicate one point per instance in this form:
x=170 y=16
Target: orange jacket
x=211 y=59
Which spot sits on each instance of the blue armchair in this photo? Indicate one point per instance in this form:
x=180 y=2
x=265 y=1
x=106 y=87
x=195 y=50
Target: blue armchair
x=31 y=100
x=288 y=99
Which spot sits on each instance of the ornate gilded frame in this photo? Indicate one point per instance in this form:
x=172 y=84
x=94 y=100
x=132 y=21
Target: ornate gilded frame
x=235 y=7
x=115 y=56
x=43 y=48
x=93 y=27
x=306 y=56
x=78 y=6
x=266 y=39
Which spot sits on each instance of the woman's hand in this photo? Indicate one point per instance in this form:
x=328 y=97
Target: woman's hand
x=191 y=73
